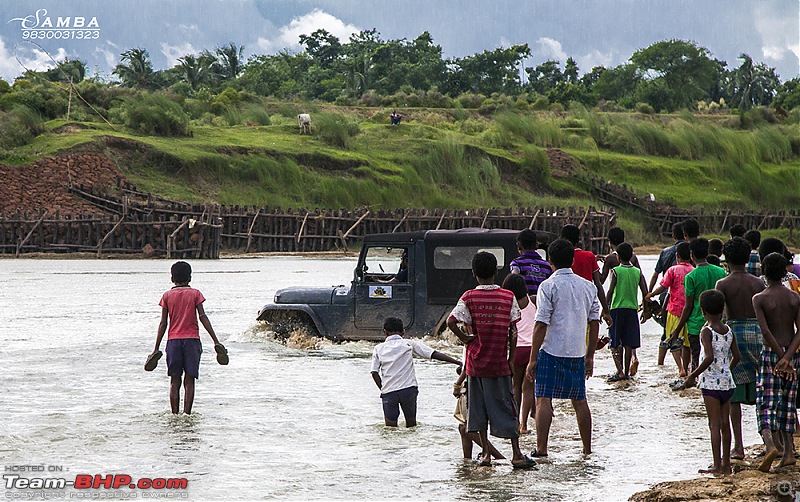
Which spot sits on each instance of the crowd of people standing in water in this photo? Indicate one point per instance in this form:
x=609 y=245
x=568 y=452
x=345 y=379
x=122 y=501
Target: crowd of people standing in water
x=534 y=338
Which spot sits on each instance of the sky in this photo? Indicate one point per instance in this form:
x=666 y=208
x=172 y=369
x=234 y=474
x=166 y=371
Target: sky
x=593 y=32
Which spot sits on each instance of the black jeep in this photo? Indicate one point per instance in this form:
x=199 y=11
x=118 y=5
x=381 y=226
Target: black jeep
x=416 y=276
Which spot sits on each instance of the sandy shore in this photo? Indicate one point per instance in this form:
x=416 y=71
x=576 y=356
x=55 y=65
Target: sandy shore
x=746 y=483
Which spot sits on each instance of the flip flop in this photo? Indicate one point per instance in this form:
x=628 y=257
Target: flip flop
x=152 y=360
x=737 y=456
x=222 y=354
x=536 y=454
x=526 y=463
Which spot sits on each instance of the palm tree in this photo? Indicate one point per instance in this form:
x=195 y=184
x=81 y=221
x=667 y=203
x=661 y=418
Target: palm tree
x=752 y=83
x=135 y=69
x=197 y=70
x=230 y=59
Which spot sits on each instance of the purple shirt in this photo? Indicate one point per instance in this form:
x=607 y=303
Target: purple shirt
x=532 y=268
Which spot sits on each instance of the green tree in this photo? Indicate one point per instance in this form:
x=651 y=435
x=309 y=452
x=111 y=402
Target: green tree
x=685 y=68
x=230 y=59
x=135 y=69
x=491 y=71
x=571 y=71
x=616 y=84
x=752 y=84
x=323 y=47
x=197 y=71
x=788 y=96
x=69 y=69
x=545 y=77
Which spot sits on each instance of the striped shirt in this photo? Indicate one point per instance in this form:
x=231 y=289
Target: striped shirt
x=490 y=311
x=532 y=268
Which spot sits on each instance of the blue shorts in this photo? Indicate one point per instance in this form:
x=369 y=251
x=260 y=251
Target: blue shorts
x=560 y=377
x=183 y=356
x=403 y=398
x=624 y=330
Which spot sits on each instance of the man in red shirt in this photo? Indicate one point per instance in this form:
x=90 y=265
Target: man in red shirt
x=584 y=264
x=491 y=314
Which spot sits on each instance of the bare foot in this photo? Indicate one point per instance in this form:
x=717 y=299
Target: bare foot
x=634 y=367
x=682 y=374
x=790 y=460
x=769 y=457
x=713 y=470
x=524 y=431
x=737 y=455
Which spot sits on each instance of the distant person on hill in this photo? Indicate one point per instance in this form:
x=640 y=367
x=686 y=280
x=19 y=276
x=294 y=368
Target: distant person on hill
x=561 y=359
x=739 y=287
x=529 y=264
x=626 y=279
x=778 y=312
x=181 y=307
x=666 y=259
x=673 y=282
x=492 y=314
x=754 y=263
x=395 y=118
x=715 y=378
x=702 y=278
x=393 y=372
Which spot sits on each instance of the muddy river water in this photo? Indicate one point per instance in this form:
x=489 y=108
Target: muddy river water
x=280 y=422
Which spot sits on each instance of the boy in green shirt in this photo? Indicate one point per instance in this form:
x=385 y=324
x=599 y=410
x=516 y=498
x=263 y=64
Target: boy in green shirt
x=624 y=302
x=702 y=278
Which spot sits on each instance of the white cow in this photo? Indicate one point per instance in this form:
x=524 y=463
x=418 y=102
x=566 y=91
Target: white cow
x=304 y=121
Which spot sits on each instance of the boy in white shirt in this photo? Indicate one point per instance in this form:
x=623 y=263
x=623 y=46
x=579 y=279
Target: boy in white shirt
x=393 y=372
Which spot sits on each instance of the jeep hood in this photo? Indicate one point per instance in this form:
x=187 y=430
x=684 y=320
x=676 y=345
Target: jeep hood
x=305 y=295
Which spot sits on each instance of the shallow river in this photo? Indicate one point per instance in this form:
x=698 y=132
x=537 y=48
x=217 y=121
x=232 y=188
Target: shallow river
x=280 y=422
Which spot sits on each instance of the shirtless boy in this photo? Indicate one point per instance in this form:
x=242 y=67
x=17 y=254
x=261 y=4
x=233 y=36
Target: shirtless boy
x=777 y=309
x=739 y=287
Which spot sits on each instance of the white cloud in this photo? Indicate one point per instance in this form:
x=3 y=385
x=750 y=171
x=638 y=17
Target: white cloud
x=174 y=52
x=289 y=36
x=592 y=59
x=24 y=56
x=110 y=57
x=551 y=49
x=779 y=31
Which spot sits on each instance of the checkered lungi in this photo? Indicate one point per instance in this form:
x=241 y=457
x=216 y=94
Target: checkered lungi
x=775 y=396
x=749 y=340
x=560 y=377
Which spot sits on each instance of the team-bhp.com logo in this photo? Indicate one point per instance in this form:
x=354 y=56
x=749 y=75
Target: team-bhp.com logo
x=41 y=26
x=83 y=484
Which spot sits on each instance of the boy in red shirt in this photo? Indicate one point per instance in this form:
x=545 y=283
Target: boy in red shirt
x=491 y=314
x=181 y=307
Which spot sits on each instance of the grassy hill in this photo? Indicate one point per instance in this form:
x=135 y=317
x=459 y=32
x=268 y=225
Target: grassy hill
x=452 y=158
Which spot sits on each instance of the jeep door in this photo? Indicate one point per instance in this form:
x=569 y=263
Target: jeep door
x=384 y=286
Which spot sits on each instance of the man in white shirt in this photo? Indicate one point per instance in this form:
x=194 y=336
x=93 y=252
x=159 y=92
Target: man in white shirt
x=393 y=372
x=561 y=359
